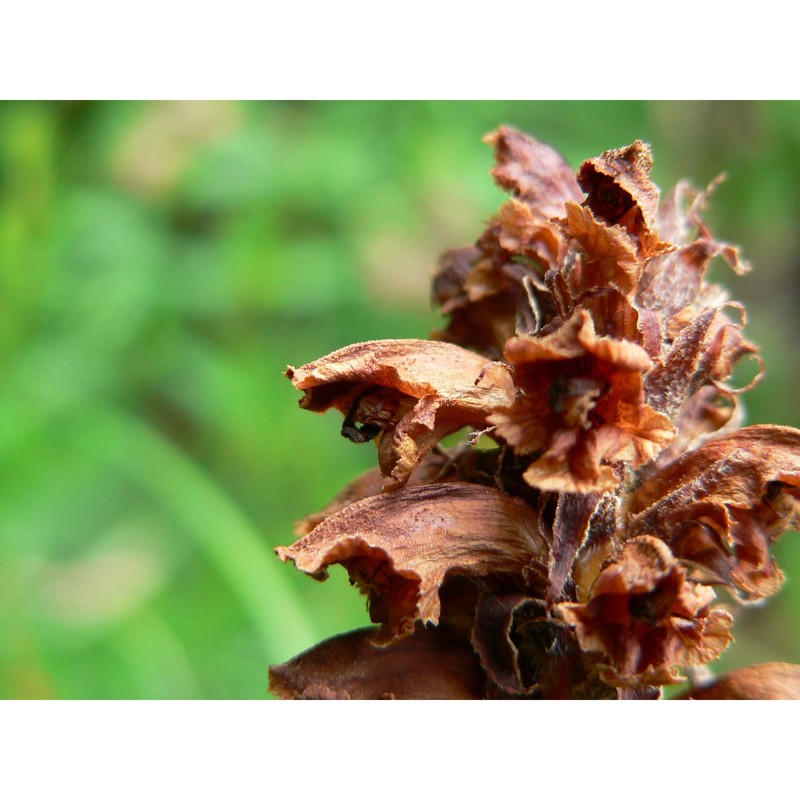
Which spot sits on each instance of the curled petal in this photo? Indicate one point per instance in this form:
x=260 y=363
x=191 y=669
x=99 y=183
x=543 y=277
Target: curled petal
x=526 y=232
x=526 y=653
x=770 y=681
x=533 y=171
x=621 y=192
x=742 y=488
x=413 y=367
x=581 y=404
x=704 y=353
x=611 y=258
x=415 y=392
x=436 y=664
x=647 y=618
x=399 y=547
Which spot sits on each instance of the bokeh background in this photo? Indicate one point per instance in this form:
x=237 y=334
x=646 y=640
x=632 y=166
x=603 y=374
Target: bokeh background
x=162 y=263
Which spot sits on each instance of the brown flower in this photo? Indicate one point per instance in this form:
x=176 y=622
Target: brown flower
x=580 y=407
x=647 y=618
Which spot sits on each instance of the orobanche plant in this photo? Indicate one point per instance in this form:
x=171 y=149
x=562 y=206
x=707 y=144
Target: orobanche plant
x=574 y=544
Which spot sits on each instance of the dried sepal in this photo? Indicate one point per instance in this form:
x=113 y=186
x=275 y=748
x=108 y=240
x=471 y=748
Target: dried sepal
x=723 y=504
x=410 y=392
x=768 y=681
x=430 y=664
x=399 y=547
x=647 y=618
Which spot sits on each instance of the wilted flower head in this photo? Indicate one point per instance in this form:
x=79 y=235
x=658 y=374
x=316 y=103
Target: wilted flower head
x=578 y=552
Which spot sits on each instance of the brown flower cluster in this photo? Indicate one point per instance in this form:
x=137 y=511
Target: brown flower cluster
x=572 y=546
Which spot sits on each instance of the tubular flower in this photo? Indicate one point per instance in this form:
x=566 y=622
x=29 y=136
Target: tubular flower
x=578 y=552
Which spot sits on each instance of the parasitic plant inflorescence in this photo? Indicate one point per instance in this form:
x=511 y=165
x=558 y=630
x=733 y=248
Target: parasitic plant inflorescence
x=574 y=544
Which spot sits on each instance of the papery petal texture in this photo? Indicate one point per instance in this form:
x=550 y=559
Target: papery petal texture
x=399 y=547
x=647 y=618
x=723 y=504
x=581 y=405
x=410 y=392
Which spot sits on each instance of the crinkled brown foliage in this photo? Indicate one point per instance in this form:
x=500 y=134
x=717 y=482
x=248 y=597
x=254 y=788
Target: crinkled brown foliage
x=577 y=553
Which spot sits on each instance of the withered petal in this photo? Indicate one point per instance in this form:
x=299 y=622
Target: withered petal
x=533 y=171
x=528 y=654
x=611 y=255
x=647 y=618
x=735 y=468
x=620 y=192
x=769 y=681
x=440 y=376
x=414 y=367
x=431 y=664
x=704 y=353
x=744 y=485
x=435 y=468
x=400 y=546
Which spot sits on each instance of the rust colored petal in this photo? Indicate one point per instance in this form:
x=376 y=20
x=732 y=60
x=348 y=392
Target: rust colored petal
x=647 y=618
x=615 y=316
x=742 y=486
x=533 y=171
x=437 y=664
x=399 y=547
x=399 y=387
x=581 y=403
x=770 y=681
x=526 y=232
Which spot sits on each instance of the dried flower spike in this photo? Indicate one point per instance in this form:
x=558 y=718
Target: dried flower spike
x=577 y=556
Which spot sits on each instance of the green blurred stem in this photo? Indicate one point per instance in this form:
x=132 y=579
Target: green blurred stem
x=228 y=540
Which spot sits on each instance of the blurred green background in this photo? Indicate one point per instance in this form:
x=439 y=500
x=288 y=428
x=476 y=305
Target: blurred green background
x=162 y=263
